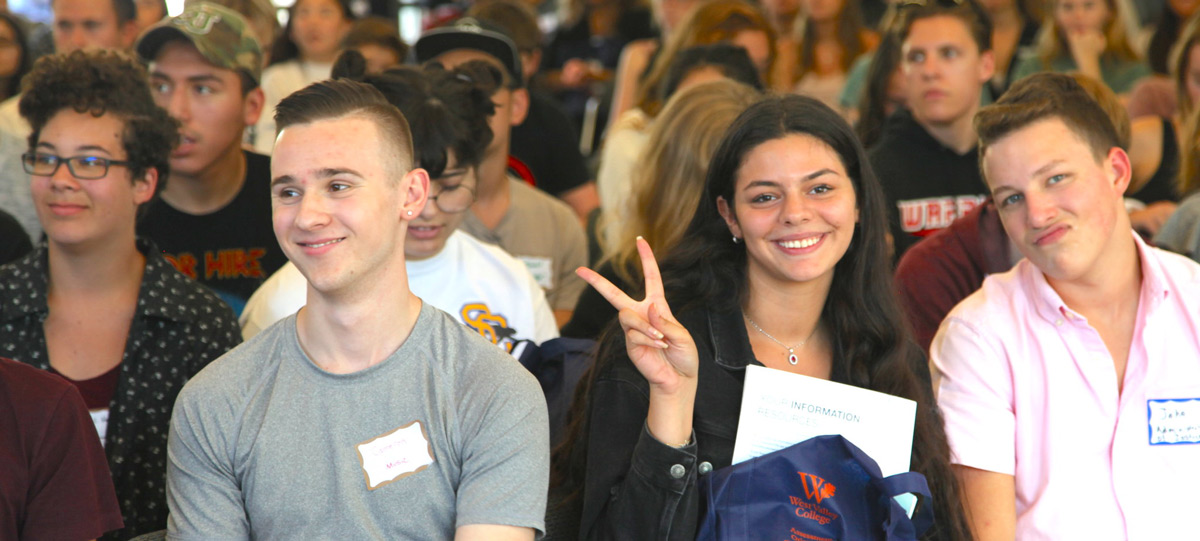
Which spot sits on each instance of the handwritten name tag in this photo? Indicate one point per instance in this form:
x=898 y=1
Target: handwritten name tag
x=1174 y=421
x=395 y=455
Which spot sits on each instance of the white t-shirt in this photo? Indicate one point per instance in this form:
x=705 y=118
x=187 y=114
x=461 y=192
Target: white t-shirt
x=478 y=284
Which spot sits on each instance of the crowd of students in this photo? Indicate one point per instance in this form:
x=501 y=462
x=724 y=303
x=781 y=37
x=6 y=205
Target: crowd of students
x=276 y=282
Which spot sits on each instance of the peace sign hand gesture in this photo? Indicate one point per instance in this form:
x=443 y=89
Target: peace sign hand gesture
x=661 y=349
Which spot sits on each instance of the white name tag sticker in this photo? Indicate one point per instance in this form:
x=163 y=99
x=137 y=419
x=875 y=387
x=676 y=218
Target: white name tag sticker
x=395 y=455
x=542 y=269
x=100 y=419
x=1174 y=421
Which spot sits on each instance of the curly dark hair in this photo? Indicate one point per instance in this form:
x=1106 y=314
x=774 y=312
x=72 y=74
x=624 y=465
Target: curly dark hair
x=99 y=82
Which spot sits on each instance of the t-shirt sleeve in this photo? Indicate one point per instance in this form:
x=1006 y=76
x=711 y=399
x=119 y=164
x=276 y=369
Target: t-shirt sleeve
x=71 y=493
x=203 y=494
x=975 y=397
x=506 y=450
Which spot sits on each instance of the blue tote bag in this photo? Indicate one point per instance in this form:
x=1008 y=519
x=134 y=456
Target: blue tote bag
x=821 y=489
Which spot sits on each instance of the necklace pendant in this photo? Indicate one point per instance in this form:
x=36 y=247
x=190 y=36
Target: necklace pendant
x=792 y=359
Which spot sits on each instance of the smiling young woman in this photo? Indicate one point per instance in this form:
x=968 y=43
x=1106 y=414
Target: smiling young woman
x=788 y=239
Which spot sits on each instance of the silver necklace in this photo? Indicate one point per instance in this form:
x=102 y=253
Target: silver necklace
x=792 y=358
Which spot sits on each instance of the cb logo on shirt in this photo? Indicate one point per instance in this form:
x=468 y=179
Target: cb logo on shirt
x=493 y=327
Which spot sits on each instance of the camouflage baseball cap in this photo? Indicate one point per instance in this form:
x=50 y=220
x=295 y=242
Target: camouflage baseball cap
x=220 y=34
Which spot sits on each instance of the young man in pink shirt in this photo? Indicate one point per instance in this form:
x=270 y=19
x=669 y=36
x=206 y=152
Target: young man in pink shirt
x=1071 y=384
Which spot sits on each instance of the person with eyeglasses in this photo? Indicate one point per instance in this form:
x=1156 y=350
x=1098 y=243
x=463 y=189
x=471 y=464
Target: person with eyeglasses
x=926 y=153
x=479 y=284
x=93 y=303
x=535 y=227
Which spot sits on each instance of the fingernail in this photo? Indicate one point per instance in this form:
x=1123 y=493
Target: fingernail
x=662 y=344
x=657 y=333
x=639 y=237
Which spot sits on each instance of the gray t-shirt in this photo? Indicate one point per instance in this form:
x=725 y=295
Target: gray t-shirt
x=265 y=444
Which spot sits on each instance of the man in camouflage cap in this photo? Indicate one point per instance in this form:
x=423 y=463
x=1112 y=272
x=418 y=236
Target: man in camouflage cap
x=213 y=220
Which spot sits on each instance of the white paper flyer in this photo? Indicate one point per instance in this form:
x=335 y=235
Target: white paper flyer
x=780 y=409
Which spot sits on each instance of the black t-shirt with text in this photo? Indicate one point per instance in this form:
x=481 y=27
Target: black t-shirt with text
x=232 y=250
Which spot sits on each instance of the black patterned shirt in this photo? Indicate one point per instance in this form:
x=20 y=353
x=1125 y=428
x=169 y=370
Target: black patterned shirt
x=179 y=327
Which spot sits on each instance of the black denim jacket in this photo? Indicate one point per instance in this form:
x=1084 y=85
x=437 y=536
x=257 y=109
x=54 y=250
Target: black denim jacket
x=639 y=488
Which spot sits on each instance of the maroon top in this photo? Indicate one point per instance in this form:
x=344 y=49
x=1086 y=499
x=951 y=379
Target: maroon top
x=942 y=270
x=55 y=483
x=98 y=391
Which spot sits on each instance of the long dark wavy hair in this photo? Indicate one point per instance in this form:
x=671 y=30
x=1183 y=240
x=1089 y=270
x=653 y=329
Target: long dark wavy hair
x=872 y=341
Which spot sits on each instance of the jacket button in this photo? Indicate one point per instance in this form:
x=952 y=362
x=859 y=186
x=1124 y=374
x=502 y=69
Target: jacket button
x=678 y=471
x=705 y=467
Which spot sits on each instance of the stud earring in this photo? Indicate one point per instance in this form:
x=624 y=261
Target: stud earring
x=410 y=213
x=736 y=240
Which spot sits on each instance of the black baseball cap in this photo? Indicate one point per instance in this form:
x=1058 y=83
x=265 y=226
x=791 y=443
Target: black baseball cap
x=471 y=33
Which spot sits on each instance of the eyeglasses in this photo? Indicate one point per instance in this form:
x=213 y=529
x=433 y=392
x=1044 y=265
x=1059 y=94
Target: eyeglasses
x=82 y=167
x=452 y=199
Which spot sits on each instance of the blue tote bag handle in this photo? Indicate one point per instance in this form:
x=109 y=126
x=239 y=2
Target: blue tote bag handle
x=898 y=525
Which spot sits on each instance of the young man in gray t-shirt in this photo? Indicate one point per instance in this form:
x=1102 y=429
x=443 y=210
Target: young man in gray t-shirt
x=367 y=414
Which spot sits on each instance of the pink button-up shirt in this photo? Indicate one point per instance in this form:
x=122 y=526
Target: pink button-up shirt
x=1029 y=389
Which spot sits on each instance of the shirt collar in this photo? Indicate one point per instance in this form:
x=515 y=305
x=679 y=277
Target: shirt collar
x=159 y=295
x=165 y=292
x=19 y=301
x=1051 y=307
x=730 y=343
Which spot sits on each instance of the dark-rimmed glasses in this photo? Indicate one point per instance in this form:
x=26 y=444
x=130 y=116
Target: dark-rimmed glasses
x=82 y=167
x=451 y=199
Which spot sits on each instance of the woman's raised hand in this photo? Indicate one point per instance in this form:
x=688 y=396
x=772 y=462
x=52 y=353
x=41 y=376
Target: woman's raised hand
x=658 y=345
